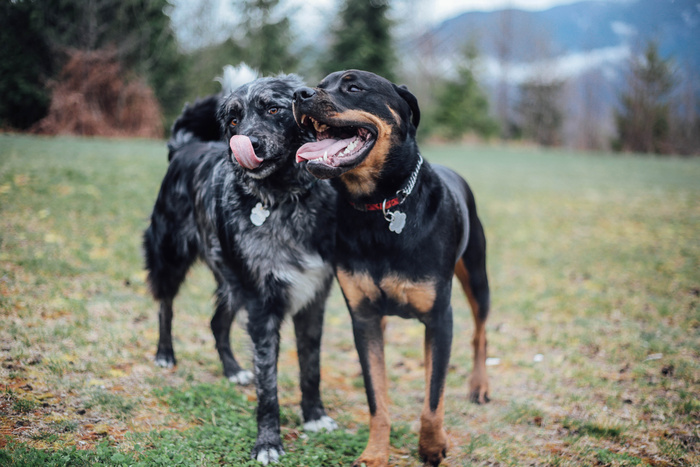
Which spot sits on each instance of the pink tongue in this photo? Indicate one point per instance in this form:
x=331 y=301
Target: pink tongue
x=317 y=149
x=243 y=152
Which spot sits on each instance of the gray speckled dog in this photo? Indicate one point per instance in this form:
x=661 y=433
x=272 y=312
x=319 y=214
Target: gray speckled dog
x=265 y=227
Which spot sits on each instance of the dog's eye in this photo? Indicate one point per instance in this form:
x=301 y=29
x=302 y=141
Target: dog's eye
x=354 y=88
x=234 y=122
x=273 y=110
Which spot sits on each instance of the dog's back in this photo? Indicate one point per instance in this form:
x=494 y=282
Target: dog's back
x=172 y=242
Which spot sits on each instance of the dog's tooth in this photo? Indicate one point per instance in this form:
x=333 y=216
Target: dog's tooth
x=320 y=127
x=303 y=119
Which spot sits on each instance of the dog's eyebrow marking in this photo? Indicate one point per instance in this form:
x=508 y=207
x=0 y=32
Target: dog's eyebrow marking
x=396 y=115
x=419 y=294
x=357 y=286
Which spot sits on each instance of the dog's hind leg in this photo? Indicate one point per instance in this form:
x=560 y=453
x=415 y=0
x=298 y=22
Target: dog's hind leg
x=169 y=256
x=471 y=272
x=308 y=327
x=227 y=305
x=165 y=355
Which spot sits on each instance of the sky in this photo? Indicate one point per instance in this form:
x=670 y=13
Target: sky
x=447 y=8
x=314 y=16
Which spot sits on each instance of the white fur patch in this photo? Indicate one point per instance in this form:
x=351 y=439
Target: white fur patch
x=267 y=456
x=243 y=377
x=236 y=76
x=304 y=284
x=323 y=423
x=163 y=363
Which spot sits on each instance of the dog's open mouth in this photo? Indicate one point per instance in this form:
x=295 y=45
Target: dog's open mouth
x=336 y=146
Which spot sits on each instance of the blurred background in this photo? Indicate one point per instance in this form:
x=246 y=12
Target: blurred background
x=595 y=75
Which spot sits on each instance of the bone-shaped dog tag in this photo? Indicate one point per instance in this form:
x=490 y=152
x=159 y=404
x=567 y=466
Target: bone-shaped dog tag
x=258 y=215
x=397 y=221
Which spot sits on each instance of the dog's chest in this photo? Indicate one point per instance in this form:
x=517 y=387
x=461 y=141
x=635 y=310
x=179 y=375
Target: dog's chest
x=277 y=252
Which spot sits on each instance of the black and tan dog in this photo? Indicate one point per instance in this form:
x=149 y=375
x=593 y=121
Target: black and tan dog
x=405 y=227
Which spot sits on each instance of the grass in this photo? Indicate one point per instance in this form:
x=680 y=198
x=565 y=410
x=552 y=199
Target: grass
x=594 y=262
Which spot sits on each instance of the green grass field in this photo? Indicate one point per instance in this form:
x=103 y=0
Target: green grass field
x=594 y=262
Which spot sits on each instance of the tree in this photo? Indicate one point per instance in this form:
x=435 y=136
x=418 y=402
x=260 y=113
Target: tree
x=504 y=52
x=362 y=39
x=643 y=118
x=138 y=30
x=461 y=105
x=266 y=36
x=540 y=113
x=25 y=63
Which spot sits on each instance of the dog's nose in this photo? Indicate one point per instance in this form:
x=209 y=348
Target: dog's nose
x=255 y=142
x=303 y=94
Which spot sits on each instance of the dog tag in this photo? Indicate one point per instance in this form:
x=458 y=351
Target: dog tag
x=397 y=221
x=259 y=214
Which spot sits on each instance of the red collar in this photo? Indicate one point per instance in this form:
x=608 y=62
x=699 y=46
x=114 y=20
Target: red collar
x=401 y=195
x=390 y=203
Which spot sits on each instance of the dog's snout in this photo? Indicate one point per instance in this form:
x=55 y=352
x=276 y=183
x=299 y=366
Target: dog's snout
x=255 y=142
x=303 y=94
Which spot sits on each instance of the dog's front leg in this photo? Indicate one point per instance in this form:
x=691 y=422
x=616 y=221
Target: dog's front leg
x=368 y=330
x=265 y=333
x=432 y=446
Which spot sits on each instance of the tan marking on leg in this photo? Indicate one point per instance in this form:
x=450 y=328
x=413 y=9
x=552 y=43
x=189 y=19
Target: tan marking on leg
x=419 y=294
x=357 y=286
x=376 y=453
x=479 y=381
x=432 y=445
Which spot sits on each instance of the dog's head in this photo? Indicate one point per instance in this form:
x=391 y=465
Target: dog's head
x=258 y=125
x=358 y=118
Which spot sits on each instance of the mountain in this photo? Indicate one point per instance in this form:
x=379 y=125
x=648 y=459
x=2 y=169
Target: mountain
x=602 y=30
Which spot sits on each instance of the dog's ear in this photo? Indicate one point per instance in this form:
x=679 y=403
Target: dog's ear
x=412 y=102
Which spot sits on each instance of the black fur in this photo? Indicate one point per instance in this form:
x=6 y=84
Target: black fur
x=282 y=267
x=384 y=273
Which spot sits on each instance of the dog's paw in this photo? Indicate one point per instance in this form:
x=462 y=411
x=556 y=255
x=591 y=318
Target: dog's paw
x=434 y=459
x=267 y=454
x=165 y=360
x=323 y=423
x=479 y=389
x=243 y=377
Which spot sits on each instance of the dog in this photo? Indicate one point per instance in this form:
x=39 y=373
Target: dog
x=405 y=227
x=234 y=197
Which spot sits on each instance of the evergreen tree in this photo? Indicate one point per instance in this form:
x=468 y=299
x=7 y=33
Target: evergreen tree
x=643 y=117
x=25 y=63
x=266 y=37
x=138 y=30
x=461 y=105
x=362 y=39
x=540 y=112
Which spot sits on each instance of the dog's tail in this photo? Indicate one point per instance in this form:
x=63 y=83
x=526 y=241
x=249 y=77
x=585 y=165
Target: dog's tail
x=196 y=123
